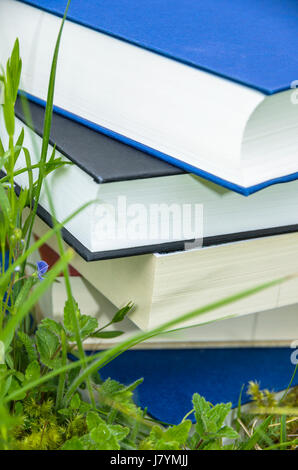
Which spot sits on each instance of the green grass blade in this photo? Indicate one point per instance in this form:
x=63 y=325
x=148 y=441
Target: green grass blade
x=259 y=433
x=47 y=122
x=283 y=429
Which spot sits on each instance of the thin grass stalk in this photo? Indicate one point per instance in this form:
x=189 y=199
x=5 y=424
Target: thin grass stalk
x=47 y=122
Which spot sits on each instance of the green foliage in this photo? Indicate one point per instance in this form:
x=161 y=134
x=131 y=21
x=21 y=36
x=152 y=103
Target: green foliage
x=47 y=345
x=209 y=428
x=173 y=438
x=100 y=436
x=86 y=323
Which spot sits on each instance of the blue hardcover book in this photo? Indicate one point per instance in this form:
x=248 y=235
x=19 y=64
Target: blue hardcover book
x=206 y=85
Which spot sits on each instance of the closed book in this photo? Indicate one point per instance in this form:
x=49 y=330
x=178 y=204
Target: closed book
x=276 y=327
x=165 y=286
x=142 y=204
x=204 y=85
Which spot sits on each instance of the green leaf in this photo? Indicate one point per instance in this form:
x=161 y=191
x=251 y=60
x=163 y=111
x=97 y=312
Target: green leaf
x=32 y=372
x=217 y=415
x=18 y=147
x=4 y=204
x=113 y=390
x=87 y=325
x=201 y=407
x=52 y=325
x=73 y=444
x=68 y=311
x=8 y=111
x=106 y=334
x=209 y=427
x=22 y=201
x=121 y=314
x=227 y=432
x=75 y=402
x=178 y=433
x=47 y=344
x=107 y=437
x=101 y=436
x=173 y=438
x=13 y=70
x=93 y=420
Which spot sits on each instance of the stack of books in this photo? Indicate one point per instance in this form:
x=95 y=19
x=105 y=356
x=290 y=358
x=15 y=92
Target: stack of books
x=181 y=120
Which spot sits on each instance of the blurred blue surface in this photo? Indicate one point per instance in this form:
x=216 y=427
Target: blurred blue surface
x=172 y=376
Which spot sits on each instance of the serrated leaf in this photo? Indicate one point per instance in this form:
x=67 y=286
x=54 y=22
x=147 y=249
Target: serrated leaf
x=201 y=407
x=73 y=444
x=68 y=313
x=119 y=432
x=52 y=325
x=93 y=420
x=209 y=424
x=178 y=433
x=173 y=438
x=87 y=325
x=107 y=437
x=227 y=432
x=47 y=344
x=217 y=415
x=85 y=407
